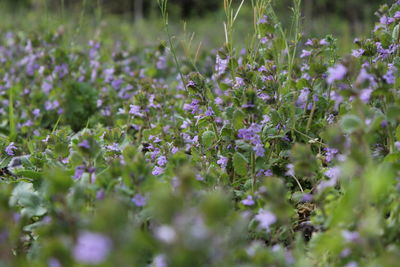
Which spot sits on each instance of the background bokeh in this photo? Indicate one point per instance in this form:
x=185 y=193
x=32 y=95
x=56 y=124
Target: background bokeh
x=345 y=19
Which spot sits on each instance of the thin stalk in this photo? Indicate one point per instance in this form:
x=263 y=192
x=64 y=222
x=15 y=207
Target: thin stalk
x=164 y=13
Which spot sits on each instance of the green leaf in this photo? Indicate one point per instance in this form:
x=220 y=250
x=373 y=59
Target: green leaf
x=240 y=164
x=238 y=119
x=351 y=123
x=208 y=138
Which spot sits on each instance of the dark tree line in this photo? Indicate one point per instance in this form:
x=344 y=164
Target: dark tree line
x=354 y=10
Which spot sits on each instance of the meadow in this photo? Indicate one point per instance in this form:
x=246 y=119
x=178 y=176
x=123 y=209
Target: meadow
x=258 y=140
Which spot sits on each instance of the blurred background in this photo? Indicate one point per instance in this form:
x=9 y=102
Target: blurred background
x=139 y=19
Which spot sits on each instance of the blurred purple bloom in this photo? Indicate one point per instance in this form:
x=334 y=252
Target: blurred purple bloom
x=336 y=73
x=91 y=248
x=330 y=153
x=139 y=200
x=350 y=236
x=265 y=218
x=365 y=95
x=10 y=149
x=385 y=20
x=248 y=201
x=305 y=53
x=390 y=76
x=157 y=170
x=162 y=161
x=79 y=170
x=222 y=161
x=357 y=52
x=84 y=144
x=135 y=111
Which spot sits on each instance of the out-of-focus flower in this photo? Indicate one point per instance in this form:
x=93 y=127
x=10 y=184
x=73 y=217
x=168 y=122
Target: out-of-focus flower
x=336 y=73
x=91 y=248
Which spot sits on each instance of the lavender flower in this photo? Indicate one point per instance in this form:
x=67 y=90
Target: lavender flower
x=91 y=248
x=248 y=201
x=157 y=171
x=84 y=144
x=222 y=162
x=336 y=73
x=139 y=200
x=10 y=149
x=265 y=219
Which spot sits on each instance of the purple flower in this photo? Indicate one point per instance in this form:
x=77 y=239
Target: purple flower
x=390 y=76
x=135 y=111
x=385 y=20
x=357 y=52
x=330 y=153
x=397 y=15
x=397 y=145
x=259 y=149
x=84 y=144
x=162 y=161
x=209 y=112
x=265 y=218
x=222 y=162
x=305 y=53
x=139 y=200
x=263 y=20
x=91 y=248
x=365 y=95
x=290 y=170
x=350 y=236
x=248 y=201
x=157 y=170
x=10 y=149
x=336 y=73
x=79 y=170
x=303 y=97
x=333 y=173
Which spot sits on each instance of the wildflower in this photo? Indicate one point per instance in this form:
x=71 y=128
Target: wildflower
x=157 y=170
x=135 y=111
x=350 y=236
x=10 y=149
x=162 y=161
x=166 y=234
x=357 y=52
x=263 y=20
x=336 y=73
x=139 y=200
x=265 y=218
x=365 y=95
x=91 y=248
x=385 y=20
x=303 y=97
x=79 y=170
x=305 y=53
x=330 y=153
x=84 y=144
x=290 y=170
x=248 y=201
x=209 y=112
x=323 y=42
x=222 y=162
x=390 y=74
x=259 y=149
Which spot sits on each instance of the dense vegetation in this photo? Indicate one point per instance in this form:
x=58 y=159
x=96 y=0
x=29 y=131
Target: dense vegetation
x=279 y=154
